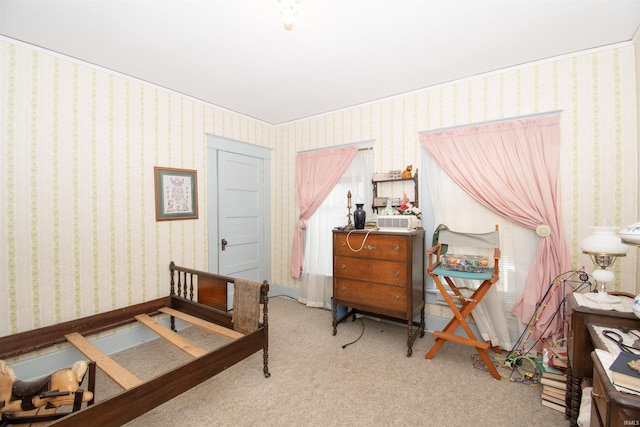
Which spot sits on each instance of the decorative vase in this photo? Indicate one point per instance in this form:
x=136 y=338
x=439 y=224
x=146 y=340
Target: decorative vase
x=630 y=234
x=359 y=216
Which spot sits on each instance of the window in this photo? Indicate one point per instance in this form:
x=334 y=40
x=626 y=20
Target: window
x=446 y=203
x=317 y=275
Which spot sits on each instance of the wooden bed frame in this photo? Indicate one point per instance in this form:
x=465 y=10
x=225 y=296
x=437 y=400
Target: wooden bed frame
x=210 y=311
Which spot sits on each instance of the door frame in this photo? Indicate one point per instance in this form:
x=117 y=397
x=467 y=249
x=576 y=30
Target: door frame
x=216 y=144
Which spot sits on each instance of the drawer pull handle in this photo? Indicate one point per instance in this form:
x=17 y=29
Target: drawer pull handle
x=397 y=248
x=370 y=247
x=396 y=297
x=342 y=266
x=344 y=288
x=396 y=274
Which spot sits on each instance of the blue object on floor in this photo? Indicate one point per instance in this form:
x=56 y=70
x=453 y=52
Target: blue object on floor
x=341 y=309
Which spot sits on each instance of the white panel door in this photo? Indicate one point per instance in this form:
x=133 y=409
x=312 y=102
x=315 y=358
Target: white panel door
x=240 y=220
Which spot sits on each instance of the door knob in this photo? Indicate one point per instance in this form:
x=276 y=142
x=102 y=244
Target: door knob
x=224 y=244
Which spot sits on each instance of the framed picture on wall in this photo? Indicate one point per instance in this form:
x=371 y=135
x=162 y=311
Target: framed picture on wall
x=176 y=193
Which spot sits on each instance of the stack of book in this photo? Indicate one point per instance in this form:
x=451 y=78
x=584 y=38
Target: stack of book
x=559 y=358
x=623 y=375
x=554 y=386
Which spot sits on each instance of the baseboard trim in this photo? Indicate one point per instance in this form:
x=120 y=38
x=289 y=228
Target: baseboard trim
x=29 y=367
x=283 y=291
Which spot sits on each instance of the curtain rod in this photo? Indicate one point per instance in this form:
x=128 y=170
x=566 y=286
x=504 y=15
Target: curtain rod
x=528 y=116
x=363 y=148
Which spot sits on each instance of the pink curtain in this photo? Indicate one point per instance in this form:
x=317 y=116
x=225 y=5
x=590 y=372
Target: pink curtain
x=317 y=172
x=512 y=168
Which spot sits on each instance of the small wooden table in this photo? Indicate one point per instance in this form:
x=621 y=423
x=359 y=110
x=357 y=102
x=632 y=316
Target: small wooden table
x=609 y=407
x=580 y=346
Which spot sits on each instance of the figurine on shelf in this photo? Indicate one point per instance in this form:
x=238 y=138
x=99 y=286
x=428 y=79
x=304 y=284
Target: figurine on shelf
x=406 y=174
x=57 y=389
x=407 y=208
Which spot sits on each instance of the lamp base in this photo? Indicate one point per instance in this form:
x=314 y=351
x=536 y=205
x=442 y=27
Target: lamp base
x=603 y=276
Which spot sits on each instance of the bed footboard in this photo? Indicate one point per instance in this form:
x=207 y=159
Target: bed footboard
x=212 y=292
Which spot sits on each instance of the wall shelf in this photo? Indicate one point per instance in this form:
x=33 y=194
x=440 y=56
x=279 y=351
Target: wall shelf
x=375 y=182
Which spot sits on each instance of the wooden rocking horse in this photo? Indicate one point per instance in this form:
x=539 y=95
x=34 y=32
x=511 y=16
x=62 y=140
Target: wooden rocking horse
x=57 y=389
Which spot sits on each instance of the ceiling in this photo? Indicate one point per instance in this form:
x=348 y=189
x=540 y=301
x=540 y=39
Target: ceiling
x=236 y=54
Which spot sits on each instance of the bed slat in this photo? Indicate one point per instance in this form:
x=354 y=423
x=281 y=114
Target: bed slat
x=203 y=324
x=171 y=336
x=110 y=367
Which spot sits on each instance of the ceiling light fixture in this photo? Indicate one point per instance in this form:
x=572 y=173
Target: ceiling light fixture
x=289 y=9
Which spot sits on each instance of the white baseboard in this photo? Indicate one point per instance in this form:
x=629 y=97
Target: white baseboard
x=42 y=363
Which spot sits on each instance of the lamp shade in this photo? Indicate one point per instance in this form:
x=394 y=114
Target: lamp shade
x=604 y=241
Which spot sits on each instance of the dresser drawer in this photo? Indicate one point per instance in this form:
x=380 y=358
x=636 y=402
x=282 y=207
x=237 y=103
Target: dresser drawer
x=375 y=246
x=392 y=272
x=370 y=295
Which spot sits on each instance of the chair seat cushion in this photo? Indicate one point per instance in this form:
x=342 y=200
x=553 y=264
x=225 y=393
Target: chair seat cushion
x=485 y=275
x=462 y=262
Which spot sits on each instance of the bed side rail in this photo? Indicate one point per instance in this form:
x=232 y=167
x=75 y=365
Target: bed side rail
x=35 y=339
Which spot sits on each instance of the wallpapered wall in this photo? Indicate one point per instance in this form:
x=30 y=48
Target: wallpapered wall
x=595 y=92
x=78 y=144
x=78 y=227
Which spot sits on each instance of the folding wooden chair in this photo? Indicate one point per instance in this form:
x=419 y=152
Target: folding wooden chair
x=447 y=266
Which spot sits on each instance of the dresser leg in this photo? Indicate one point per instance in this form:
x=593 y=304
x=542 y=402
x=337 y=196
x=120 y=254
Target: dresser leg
x=334 y=316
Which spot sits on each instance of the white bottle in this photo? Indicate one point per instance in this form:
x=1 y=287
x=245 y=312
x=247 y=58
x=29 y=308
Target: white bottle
x=545 y=357
x=388 y=210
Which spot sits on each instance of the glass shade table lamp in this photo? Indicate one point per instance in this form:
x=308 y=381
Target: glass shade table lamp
x=604 y=246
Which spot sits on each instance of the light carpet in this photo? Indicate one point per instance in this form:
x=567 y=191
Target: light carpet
x=316 y=382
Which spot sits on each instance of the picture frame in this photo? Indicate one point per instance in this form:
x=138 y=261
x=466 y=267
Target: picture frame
x=176 y=193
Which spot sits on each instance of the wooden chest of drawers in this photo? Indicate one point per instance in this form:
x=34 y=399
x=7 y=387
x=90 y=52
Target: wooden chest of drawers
x=381 y=274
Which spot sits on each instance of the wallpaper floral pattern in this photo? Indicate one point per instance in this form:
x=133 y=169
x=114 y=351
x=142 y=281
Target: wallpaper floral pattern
x=78 y=144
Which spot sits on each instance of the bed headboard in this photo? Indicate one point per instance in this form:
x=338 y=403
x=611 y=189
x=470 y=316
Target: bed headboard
x=211 y=288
